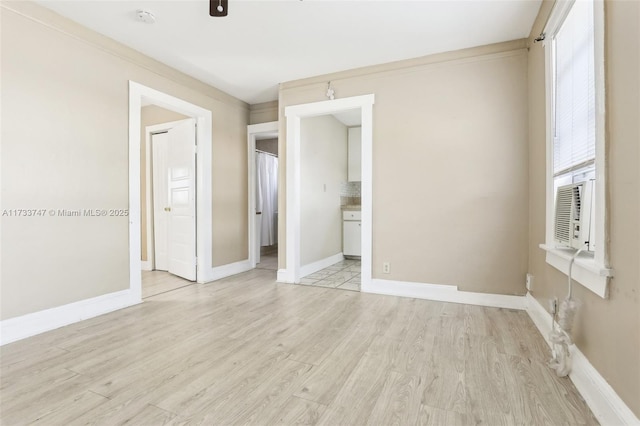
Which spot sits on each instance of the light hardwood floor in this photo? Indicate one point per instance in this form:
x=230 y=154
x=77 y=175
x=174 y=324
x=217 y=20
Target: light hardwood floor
x=156 y=282
x=268 y=261
x=245 y=350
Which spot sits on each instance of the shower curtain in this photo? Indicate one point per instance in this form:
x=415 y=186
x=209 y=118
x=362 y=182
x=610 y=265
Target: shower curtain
x=267 y=197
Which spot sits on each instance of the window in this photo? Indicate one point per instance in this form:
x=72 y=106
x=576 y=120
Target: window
x=574 y=45
x=574 y=112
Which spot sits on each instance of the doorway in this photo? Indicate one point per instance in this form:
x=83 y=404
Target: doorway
x=263 y=166
x=199 y=204
x=267 y=165
x=330 y=187
x=294 y=115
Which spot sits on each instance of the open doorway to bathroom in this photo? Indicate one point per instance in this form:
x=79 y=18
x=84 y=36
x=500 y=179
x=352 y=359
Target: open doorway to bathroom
x=263 y=195
x=267 y=202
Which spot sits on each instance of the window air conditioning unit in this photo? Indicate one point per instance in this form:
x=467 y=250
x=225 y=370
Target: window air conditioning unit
x=574 y=226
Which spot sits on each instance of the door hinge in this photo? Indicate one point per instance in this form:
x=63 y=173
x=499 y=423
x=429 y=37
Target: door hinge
x=195 y=149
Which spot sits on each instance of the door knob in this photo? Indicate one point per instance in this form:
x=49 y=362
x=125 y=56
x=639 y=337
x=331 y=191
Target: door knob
x=167 y=209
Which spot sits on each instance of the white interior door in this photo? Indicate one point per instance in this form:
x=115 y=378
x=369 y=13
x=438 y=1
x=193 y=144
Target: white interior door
x=181 y=248
x=160 y=183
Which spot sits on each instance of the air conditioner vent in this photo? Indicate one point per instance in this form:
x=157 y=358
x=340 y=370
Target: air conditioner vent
x=573 y=215
x=563 y=214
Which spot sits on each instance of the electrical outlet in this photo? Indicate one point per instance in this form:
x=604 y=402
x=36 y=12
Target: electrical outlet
x=386 y=268
x=529 y=282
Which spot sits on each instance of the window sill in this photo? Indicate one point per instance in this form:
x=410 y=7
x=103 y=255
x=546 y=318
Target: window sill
x=585 y=271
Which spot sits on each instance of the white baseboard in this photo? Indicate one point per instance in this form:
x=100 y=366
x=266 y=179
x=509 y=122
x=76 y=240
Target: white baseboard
x=283 y=276
x=145 y=265
x=442 y=293
x=219 y=272
x=19 y=328
x=603 y=401
x=320 y=264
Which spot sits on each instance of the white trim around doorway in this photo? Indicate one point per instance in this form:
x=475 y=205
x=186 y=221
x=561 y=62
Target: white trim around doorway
x=294 y=114
x=140 y=95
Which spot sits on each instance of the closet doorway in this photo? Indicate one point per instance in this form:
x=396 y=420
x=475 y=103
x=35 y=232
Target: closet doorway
x=263 y=195
x=141 y=96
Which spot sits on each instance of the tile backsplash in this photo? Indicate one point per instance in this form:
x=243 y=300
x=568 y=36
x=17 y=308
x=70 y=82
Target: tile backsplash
x=350 y=193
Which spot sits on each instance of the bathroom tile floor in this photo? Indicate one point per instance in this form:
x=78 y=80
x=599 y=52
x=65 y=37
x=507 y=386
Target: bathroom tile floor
x=344 y=275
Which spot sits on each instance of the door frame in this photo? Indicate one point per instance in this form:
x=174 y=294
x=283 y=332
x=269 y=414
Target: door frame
x=253 y=131
x=294 y=114
x=140 y=95
x=150 y=263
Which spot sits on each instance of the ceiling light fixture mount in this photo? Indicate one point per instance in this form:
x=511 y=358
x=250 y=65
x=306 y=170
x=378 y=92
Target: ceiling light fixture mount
x=145 y=16
x=331 y=94
x=218 y=7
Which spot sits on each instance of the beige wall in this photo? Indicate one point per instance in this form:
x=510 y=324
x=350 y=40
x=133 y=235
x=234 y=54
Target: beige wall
x=263 y=113
x=450 y=165
x=323 y=167
x=606 y=331
x=65 y=146
x=268 y=145
x=149 y=115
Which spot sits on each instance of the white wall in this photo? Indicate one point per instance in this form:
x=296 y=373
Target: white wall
x=323 y=156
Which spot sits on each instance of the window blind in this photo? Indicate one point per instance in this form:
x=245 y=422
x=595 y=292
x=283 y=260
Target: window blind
x=575 y=114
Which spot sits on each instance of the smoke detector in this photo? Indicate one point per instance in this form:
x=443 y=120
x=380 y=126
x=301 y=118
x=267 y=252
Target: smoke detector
x=145 y=16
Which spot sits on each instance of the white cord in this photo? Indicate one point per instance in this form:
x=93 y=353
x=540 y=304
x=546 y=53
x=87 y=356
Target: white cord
x=573 y=259
x=560 y=338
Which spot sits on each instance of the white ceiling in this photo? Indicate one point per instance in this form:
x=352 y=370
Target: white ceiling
x=263 y=43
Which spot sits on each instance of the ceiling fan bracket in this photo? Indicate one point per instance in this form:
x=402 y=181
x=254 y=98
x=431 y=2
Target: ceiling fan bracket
x=218 y=8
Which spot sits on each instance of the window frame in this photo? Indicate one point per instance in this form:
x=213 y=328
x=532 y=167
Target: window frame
x=590 y=270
